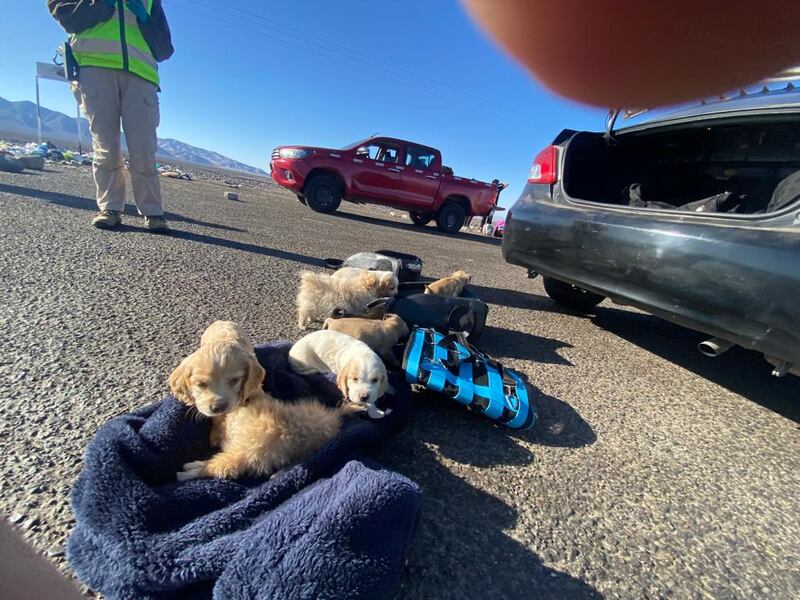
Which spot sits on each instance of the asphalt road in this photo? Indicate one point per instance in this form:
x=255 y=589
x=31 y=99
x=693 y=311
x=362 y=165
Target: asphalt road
x=654 y=472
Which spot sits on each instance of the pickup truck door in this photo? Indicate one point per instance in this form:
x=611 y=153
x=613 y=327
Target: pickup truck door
x=376 y=173
x=420 y=177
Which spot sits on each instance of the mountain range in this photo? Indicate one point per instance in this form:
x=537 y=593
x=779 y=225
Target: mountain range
x=20 y=118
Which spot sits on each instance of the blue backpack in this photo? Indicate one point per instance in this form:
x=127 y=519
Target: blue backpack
x=450 y=365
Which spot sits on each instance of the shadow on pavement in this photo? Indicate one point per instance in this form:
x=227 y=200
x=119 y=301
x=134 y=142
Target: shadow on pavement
x=558 y=425
x=409 y=227
x=462 y=548
x=741 y=371
x=509 y=343
x=245 y=247
x=79 y=202
x=525 y=300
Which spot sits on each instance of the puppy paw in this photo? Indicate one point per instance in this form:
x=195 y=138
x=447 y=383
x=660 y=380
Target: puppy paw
x=192 y=470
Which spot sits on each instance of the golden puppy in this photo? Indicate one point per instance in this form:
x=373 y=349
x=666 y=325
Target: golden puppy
x=348 y=289
x=449 y=286
x=379 y=335
x=257 y=434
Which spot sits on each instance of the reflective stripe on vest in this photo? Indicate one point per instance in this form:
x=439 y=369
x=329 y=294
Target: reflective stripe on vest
x=117 y=44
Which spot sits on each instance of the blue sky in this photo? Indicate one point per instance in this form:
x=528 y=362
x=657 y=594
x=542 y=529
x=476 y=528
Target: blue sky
x=250 y=75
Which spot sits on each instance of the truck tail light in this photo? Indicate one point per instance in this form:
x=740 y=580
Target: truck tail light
x=545 y=166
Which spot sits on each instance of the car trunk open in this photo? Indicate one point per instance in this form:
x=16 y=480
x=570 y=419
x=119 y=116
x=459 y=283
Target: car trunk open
x=681 y=167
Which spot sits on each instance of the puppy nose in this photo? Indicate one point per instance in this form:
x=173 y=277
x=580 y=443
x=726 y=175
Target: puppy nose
x=217 y=405
x=365 y=397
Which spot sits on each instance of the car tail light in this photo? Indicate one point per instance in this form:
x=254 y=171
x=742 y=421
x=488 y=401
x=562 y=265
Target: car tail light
x=545 y=166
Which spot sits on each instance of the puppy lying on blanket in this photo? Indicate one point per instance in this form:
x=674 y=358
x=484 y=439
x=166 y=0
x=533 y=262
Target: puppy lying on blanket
x=258 y=435
x=360 y=374
x=379 y=335
x=449 y=286
x=348 y=289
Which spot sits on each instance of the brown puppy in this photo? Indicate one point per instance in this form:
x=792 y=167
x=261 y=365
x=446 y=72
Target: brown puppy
x=449 y=286
x=257 y=434
x=379 y=335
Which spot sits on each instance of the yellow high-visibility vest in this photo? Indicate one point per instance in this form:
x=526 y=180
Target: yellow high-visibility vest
x=117 y=44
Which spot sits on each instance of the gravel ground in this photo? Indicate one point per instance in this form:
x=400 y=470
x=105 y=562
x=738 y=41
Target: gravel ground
x=653 y=472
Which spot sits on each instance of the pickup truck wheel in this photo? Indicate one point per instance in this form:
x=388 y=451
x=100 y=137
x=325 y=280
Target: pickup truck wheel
x=571 y=296
x=420 y=219
x=323 y=194
x=451 y=218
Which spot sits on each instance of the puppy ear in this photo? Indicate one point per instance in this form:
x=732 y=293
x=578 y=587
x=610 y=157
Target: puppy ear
x=179 y=381
x=428 y=289
x=342 y=379
x=254 y=378
x=383 y=385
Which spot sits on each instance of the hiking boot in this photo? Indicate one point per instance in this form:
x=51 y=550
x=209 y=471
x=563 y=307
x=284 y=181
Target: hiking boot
x=107 y=219
x=156 y=223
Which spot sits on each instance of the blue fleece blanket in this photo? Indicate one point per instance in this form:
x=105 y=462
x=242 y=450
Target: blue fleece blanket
x=336 y=526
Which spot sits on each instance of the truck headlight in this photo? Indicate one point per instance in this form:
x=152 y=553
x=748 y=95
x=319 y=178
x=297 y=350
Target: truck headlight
x=295 y=152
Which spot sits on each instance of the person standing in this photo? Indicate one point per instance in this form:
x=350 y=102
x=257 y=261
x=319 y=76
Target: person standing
x=112 y=54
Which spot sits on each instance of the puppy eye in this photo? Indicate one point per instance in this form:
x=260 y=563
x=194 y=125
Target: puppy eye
x=233 y=380
x=374 y=380
x=201 y=384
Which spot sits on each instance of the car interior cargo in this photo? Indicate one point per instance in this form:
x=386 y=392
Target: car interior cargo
x=744 y=167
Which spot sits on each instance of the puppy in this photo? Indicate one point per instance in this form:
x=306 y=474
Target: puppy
x=348 y=290
x=380 y=336
x=258 y=435
x=449 y=286
x=360 y=374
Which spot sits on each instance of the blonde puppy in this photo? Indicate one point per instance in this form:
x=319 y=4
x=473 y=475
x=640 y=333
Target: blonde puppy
x=258 y=435
x=360 y=373
x=449 y=286
x=379 y=335
x=348 y=289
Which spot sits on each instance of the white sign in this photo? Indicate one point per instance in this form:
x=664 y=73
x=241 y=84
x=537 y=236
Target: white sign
x=50 y=71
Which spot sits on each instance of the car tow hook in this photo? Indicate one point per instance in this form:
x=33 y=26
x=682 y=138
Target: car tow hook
x=714 y=347
x=532 y=274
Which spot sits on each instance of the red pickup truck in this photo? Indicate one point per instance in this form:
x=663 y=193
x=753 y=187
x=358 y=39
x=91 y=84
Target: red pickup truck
x=388 y=171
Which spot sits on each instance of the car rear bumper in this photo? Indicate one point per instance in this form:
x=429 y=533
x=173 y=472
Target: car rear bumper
x=288 y=173
x=737 y=281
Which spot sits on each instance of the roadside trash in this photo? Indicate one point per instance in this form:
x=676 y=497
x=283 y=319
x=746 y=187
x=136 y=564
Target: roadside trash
x=11 y=165
x=32 y=161
x=176 y=175
x=231 y=196
x=449 y=365
x=55 y=155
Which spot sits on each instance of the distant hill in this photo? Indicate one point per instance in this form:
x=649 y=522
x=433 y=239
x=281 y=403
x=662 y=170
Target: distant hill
x=20 y=118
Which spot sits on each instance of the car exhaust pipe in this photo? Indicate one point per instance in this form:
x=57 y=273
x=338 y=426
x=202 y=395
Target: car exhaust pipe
x=714 y=347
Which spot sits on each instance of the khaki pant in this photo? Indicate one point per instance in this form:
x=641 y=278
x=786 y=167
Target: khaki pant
x=109 y=96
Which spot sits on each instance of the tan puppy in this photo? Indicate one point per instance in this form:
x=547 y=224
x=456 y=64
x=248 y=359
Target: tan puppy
x=348 y=289
x=449 y=286
x=257 y=434
x=379 y=335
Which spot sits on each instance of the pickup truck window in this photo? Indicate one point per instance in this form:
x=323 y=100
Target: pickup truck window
x=380 y=152
x=419 y=158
